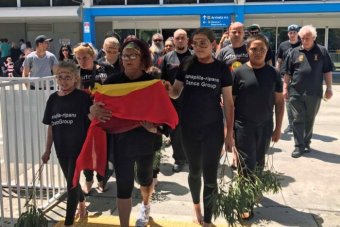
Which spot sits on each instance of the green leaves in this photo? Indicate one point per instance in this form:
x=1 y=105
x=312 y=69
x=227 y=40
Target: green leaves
x=32 y=217
x=239 y=194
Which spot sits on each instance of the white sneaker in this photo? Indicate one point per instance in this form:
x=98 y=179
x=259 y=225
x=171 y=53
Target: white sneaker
x=143 y=217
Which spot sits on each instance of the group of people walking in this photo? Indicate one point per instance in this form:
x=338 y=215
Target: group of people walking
x=240 y=74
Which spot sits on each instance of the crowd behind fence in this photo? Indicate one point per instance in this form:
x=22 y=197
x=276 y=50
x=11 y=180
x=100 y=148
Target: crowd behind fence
x=23 y=142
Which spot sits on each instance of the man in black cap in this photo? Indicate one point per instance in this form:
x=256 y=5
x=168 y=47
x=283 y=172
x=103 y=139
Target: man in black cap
x=255 y=29
x=40 y=63
x=283 y=50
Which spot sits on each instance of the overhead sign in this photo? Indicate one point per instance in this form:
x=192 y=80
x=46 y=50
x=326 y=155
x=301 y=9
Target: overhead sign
x=215 y=21
x=86 y=27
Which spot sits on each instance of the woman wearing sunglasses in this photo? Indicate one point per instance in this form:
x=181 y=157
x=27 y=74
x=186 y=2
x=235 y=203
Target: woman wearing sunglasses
x=134 y=147
x=202 y=79
x=65 y=53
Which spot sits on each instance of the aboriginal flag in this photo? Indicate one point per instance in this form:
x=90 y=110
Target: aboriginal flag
x=130 y=104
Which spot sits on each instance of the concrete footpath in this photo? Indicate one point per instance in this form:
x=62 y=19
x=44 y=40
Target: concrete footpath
x=310 y=193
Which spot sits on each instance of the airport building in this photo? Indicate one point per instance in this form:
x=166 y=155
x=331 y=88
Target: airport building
x=73 y=21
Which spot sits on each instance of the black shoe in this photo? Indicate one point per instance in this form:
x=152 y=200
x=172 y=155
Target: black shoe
x=177 y=167
x=297 y=153
x=307 y=149
x=247 y=215
x=288 y=129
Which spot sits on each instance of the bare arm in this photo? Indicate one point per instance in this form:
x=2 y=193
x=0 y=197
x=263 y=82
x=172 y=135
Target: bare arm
x=278 y=64
x=175 y=90
x=279 y=111
x=25 y=71
x=270 y=62
x=229 y=115
x=286 y=81
x=46 y=156
x=98 y=111
x=54 y=69
x=328 y=80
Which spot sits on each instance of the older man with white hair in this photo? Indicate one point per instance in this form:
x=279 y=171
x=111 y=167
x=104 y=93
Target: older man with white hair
x=156 y=48
x=305 y=68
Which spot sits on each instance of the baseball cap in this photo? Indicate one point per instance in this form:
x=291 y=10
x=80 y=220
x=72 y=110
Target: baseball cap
x=254 y=27
x=42 y=38
x=293 y=27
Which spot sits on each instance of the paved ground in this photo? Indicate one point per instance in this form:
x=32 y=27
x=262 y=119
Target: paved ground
x=310 y=193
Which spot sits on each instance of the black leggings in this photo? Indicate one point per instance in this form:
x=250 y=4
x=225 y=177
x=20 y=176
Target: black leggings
x=203 y=148
x=125 y=173
x=74 y=195
x=252 y=143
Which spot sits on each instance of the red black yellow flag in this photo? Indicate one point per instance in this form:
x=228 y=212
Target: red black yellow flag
x=130 y=104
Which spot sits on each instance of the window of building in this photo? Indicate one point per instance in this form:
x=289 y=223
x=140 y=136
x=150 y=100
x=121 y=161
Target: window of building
x=66 y=3
x=334 y=40
x=123 y=33
x=142 y=2
x=320 y=39
x=334 y=45
x=28 y=3
x=8 y=4
x=216 y=1
x=270 y=33
x=282 y=35
x=180 y=1
x=264 y=1
x=109 y=2
x=146 y=34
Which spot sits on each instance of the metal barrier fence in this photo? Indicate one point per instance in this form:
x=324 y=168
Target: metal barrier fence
x=22 y=145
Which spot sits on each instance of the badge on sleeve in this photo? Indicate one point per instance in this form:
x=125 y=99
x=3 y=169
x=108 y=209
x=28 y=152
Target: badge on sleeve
x=301 y=57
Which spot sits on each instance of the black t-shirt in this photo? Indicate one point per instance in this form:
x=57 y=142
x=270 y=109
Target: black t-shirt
x=254 y=90
x=285 y=48
x=138 y=141
x=170 y=64
x=306 y=69
x=113 y=69
x=102 y=71
x=68 y=116
x=233 y=57
x=203 y=85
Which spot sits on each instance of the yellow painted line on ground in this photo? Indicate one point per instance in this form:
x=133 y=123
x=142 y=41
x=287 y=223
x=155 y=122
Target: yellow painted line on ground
x=113 y=221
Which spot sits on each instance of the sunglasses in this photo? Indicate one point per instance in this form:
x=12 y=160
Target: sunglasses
x=202 y=44
x=254 y=33
x=126 y=57
x=258 y=51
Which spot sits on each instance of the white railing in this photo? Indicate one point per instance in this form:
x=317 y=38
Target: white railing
x=22 y=143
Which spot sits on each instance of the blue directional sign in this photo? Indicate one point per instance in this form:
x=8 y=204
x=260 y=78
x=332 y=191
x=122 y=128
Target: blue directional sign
x=215 y=21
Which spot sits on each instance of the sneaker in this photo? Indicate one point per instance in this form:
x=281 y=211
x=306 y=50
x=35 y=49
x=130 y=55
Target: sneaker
x=297 y=153
x=143 y=217
x=288 y=129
